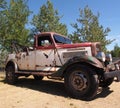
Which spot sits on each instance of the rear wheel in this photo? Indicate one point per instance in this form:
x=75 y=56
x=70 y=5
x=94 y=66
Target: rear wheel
x=11 y=77
x=36 y=77
x=81 y=82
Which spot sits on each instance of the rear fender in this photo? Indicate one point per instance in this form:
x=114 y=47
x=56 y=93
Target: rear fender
x=11 y=63
x=79 y=59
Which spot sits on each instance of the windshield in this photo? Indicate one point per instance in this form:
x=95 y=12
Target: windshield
x=62 y=40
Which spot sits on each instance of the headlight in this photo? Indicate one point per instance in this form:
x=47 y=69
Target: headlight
x=109 y=57
x=101 y=56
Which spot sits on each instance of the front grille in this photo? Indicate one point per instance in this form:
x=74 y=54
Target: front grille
x=73 y=54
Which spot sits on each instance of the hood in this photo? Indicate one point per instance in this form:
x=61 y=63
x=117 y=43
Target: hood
x=86 y=44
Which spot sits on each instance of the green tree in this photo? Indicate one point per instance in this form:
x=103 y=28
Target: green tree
x=14 y=18
x=88 y=29
x=116 y=51
x=2 y=4
x=48 y=19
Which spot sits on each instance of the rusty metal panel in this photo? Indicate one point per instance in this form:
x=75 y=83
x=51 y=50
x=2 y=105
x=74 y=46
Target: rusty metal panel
x=44 y=58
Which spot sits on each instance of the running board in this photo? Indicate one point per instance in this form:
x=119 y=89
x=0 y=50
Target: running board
x=34 y=73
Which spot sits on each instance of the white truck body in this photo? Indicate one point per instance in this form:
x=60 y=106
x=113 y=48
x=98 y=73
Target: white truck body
x=36 y=60
x=83 y=66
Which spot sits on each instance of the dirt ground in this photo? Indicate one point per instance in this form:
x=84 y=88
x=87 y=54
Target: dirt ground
x=28 y=93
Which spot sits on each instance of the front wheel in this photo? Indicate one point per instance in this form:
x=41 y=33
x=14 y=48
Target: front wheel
x=11 y=77
x=81 y=82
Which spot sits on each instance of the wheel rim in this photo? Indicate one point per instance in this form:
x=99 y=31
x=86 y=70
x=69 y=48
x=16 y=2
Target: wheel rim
x=79 y=81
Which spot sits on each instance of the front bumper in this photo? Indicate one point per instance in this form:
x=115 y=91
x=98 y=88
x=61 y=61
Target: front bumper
x=112 y=74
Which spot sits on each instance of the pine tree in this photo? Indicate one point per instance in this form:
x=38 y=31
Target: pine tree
x=48 y=20
x=88 y=29
x=13 y=26
x=3 y=6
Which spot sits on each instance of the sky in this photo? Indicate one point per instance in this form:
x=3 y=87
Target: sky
x=109 y=14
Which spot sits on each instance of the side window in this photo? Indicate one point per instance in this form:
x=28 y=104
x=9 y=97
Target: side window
x=44 y=41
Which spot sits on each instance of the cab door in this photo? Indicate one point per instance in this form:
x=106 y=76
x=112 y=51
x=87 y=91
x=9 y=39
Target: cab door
x=45 y=59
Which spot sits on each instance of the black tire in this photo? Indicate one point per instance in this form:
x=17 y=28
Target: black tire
x=11 y=77
x=106 y=83
x=36 y=77
x=81 y=82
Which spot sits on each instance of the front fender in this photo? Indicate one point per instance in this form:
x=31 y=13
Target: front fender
x=79 y=59
x=86 y=59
